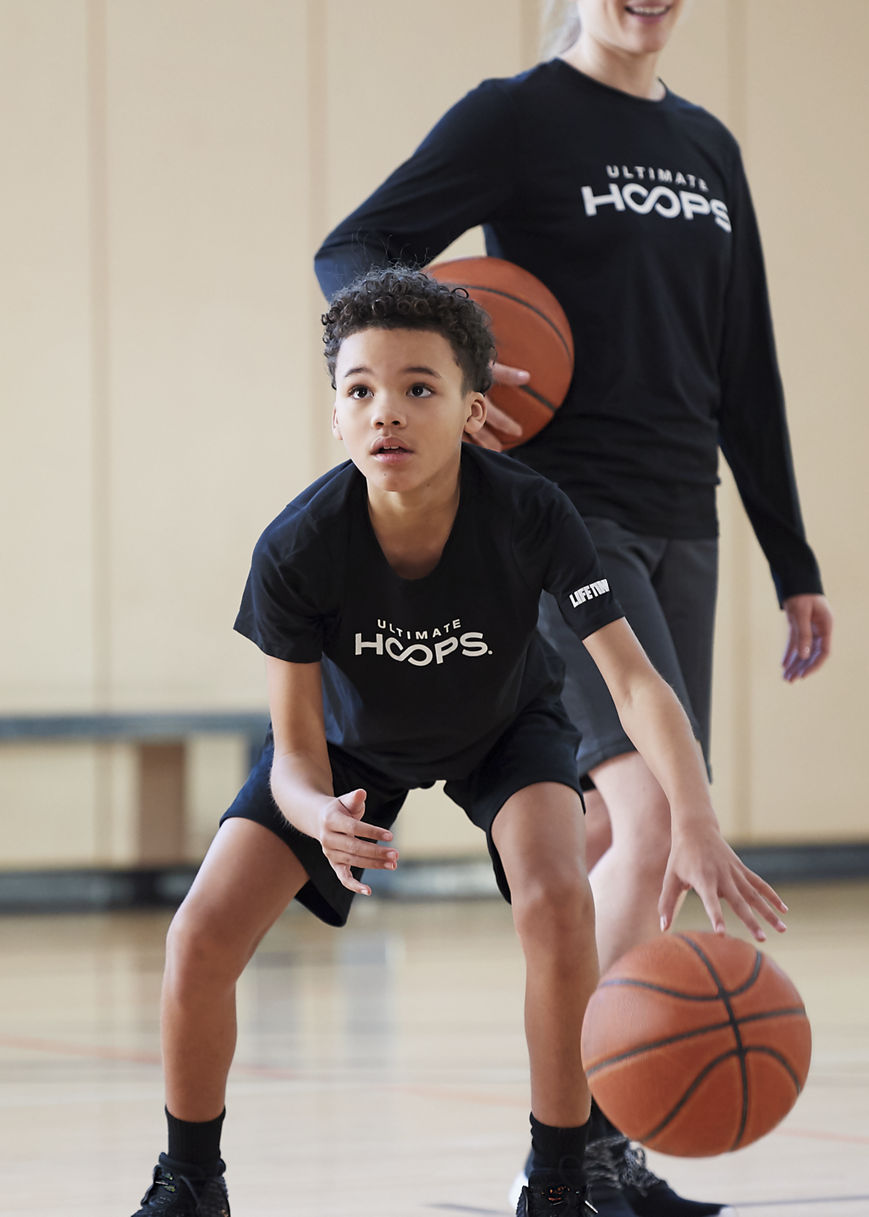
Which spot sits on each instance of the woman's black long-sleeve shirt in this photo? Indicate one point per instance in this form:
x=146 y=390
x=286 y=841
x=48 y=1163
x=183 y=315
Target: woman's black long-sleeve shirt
x=637 y=215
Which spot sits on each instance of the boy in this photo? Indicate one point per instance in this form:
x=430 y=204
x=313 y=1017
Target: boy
x=396 y=602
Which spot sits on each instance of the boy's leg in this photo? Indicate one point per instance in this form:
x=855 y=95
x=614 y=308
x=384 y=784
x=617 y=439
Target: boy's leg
x=540 y=837
x=247 y=879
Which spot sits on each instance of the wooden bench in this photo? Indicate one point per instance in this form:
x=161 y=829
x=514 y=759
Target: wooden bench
x=161 y=741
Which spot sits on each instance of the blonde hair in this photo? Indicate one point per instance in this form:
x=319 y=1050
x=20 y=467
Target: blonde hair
x=559 y=27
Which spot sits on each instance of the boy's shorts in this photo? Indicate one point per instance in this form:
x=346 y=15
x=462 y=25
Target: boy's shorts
x=667 y=589
x=539 y=746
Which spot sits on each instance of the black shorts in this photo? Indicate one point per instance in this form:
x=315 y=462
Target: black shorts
x=667 y=589
x=539 y=746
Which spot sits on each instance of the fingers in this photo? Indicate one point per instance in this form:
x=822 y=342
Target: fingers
x=500 y=419
x=748 y=896
x=671 y=895
x=347 y=841
x=349 y=880
x=503 y=374
x=811 y=626
x=758 y=895
x=344 y=850
x=496 y=417
x=354 y=844
x=353 y=803
x=798 y=662
x=716 y=873
x=764 y=890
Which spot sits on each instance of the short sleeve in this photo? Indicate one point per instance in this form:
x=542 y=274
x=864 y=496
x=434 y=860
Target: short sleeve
x=279 y=610
x=556 y=536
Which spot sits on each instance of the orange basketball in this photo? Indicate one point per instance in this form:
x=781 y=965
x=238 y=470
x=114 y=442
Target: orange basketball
x=696 y=1044
x=531 y=332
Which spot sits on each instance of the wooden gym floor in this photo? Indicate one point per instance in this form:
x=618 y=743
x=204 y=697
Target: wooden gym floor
x=380 y=1069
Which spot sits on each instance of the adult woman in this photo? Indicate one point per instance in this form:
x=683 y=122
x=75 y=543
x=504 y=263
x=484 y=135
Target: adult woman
x=631 y=204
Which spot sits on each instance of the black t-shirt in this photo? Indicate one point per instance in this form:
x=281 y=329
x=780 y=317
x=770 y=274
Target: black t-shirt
x=421 y=676
x=637 y=215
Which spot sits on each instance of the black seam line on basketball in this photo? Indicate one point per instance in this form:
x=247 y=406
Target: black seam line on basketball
x=647 y=1138
x=734 y=1024
x=695 y=1033
x=537 y=397
x=497 y=291
x=698 y=997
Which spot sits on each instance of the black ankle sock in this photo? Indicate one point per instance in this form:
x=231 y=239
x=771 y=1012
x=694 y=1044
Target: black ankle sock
x=557 y=1148
x=192 y=1142
x=600 y=1126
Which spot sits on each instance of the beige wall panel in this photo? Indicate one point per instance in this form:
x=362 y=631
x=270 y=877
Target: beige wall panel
x=216 y=767
x=49 y=799
x=807 y=97
x=699 y=61
x=117 y=806
x=392 y=68
x=46 y=453
x=210 y=294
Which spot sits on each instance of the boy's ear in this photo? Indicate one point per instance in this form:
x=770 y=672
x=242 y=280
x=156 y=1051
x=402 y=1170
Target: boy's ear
x=476 y=413
x=336 y=430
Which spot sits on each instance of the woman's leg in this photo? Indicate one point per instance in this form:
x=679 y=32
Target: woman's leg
x=598 y=830
x=247 y=879
x=540 y=837
x=627 y=879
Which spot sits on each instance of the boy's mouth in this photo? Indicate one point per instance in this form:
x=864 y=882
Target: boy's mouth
x=386 y=445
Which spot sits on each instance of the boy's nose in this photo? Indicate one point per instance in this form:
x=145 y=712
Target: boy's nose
x=387 y=415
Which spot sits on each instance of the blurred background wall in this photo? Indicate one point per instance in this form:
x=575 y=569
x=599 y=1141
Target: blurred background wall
x=169 y=167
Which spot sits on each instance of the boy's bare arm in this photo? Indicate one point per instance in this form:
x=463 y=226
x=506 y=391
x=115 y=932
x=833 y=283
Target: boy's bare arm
x=301 y=777
x=655 y=722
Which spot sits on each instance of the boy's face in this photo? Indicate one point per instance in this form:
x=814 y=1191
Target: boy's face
x=401 y=408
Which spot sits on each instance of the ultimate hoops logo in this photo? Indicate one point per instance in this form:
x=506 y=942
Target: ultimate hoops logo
x=420 y=648
x=666 y=192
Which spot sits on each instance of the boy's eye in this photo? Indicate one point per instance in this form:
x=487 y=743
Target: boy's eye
x=359 y=392
x=419 y=391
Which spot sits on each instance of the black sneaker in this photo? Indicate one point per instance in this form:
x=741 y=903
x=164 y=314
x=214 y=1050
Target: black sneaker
x=553 y=1194
x=650 y=1196
x=604 y=1183
x=604 y=1189
x=185 y=1191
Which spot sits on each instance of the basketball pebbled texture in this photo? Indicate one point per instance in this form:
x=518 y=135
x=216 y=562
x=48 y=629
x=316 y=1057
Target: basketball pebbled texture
x=696 y=1044
x=531 y=331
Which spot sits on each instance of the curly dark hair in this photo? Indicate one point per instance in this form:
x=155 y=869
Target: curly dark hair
x=401 y=298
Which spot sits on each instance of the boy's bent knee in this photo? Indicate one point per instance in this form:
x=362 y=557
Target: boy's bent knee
x=554 y=907
x=197 y=948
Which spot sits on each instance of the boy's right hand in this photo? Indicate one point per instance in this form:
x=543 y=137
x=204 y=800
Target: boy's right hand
x=347 y=841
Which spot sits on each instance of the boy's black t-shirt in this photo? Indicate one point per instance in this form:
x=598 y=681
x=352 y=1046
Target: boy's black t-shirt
x=421 y=676
x=637 y=215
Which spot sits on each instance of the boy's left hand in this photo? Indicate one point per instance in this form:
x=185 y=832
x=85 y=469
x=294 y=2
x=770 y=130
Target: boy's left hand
x=701 y=859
